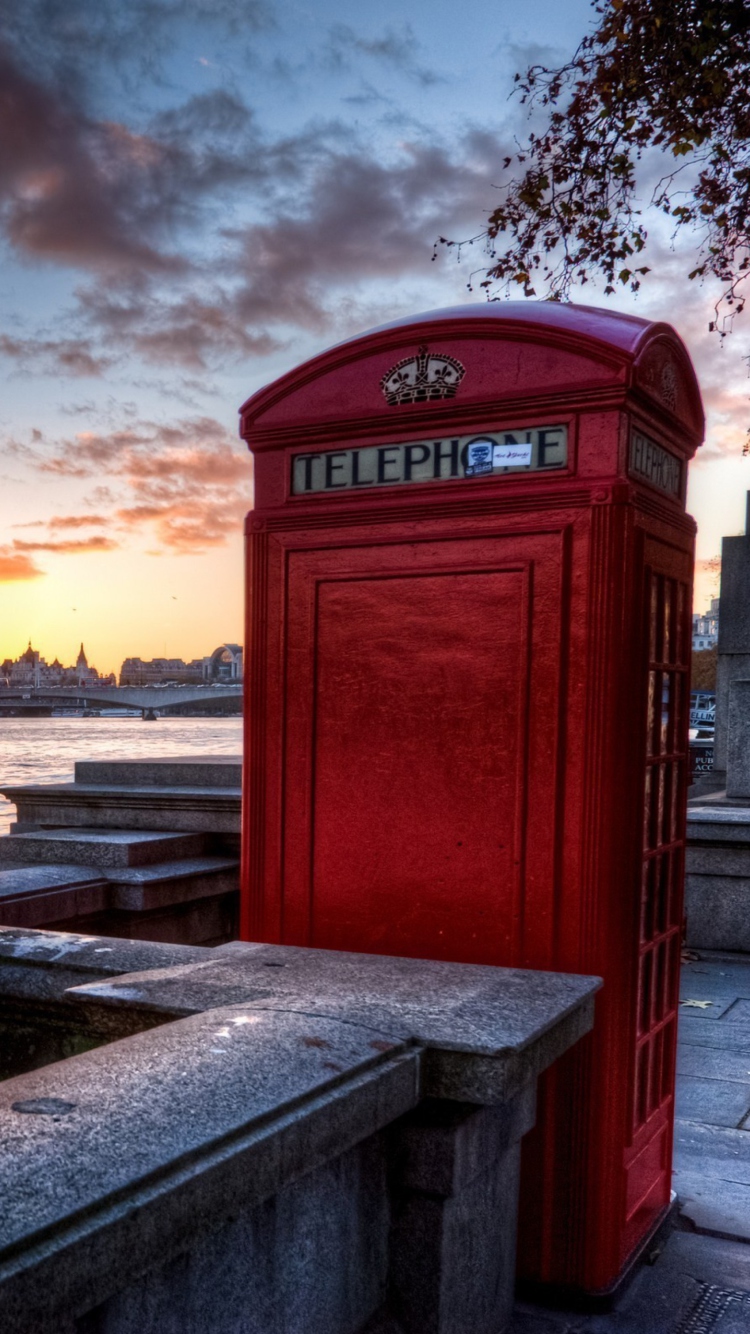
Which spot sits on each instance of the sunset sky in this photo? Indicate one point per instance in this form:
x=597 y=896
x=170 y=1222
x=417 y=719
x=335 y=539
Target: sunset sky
x=196 y=196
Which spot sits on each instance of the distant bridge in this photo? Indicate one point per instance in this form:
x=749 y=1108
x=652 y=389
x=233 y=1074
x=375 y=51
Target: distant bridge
x=156 y=698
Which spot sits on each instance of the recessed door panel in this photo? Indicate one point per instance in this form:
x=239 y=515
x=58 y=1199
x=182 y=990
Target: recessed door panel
x=412 y=713
x=419 y=705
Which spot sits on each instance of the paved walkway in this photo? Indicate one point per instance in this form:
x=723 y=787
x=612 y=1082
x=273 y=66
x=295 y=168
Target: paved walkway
x=700 y=1284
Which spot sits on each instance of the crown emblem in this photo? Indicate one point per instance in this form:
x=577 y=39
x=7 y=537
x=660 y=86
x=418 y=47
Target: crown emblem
x=422 y=378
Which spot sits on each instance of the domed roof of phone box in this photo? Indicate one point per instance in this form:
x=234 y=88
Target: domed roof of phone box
x=510 y=353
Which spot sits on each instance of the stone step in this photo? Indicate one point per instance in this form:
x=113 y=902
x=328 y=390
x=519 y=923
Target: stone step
x=214 y=810
x=101 y=848
x=141 y=888
x=33 y=895
x=215 y=771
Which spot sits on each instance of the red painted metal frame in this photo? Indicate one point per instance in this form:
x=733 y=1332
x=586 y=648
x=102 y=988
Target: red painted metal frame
x=466 y=716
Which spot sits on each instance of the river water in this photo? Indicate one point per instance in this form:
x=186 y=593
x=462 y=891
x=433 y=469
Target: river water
x=44 y=750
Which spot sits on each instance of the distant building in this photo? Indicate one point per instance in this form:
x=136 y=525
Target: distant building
x=161 y=672
x=706 y=628
x=224 y=665
x=32 y=671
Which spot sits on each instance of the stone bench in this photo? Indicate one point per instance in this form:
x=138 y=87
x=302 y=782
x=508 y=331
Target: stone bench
x=269 y=1140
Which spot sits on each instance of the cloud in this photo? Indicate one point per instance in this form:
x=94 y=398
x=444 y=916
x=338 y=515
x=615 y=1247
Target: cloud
x=190 y=525
x=62 y=521
x=66 y=356
x=96 y=194
x=396 y=48
x=83 y=40
x=360 y=219
x=339 y=216
x=72 y=547
x=16 y=567
x=136 y=206
x=101 y=495
x=71 y=189
x=193 y=332
x=188 y=481
x=88 y=453
x=194 y=497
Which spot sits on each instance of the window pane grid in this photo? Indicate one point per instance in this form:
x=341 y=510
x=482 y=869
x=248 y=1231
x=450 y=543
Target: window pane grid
x=659 y=950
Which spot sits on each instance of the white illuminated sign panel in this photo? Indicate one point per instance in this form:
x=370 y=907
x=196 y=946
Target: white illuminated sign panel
x=451 y=458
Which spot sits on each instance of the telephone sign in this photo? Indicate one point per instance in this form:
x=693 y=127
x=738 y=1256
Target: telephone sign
x=488 y=454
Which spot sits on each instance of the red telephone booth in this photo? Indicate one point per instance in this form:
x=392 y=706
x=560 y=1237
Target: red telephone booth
x=469 y=614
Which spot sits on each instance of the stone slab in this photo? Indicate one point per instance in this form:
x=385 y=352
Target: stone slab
x=488 y=1031
x=712 y=1151
x=110 y=848
x=172 y=870
x=714 y=1205
x=170 y=883
x=173 y=771
x=717 y=909
x=178 y=809
x=739 y=1013
x=45 y=908
x=17 y=880
x=664 y=1296
x=40 y=965
x=723 y=967
x=718 y=859
x=733 y=1037
x=706 y=1063
x=122 y=1163
x=37 y=895
x=714 y=1101
x=718 y=822
x=207 y=921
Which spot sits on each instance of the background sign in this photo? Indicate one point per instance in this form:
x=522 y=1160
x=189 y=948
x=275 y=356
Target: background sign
x=655 y=464
x=484 y=454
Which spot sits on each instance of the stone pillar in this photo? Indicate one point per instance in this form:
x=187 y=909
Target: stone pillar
x=734 y=634
x=455 y=1175
x=738 y=740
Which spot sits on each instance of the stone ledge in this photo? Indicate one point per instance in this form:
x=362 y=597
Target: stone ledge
x=488 y=1030
x=210 y=771
x=123 y=1180
x=176 y=810
x=42 y=965
x=108 y=849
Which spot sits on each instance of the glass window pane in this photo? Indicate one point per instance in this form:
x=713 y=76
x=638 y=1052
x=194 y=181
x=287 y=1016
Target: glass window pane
x=651 y=713
x=681 y=626
x=666 y=712
x=668 y=643
x=645 y=983
x=653 y=646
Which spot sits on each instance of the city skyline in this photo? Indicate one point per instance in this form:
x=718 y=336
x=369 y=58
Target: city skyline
x=31 y=661
x=184 y=220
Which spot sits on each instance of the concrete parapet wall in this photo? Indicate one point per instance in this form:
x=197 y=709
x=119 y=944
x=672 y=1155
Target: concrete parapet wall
x=717 y=877
x=289 y=1142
